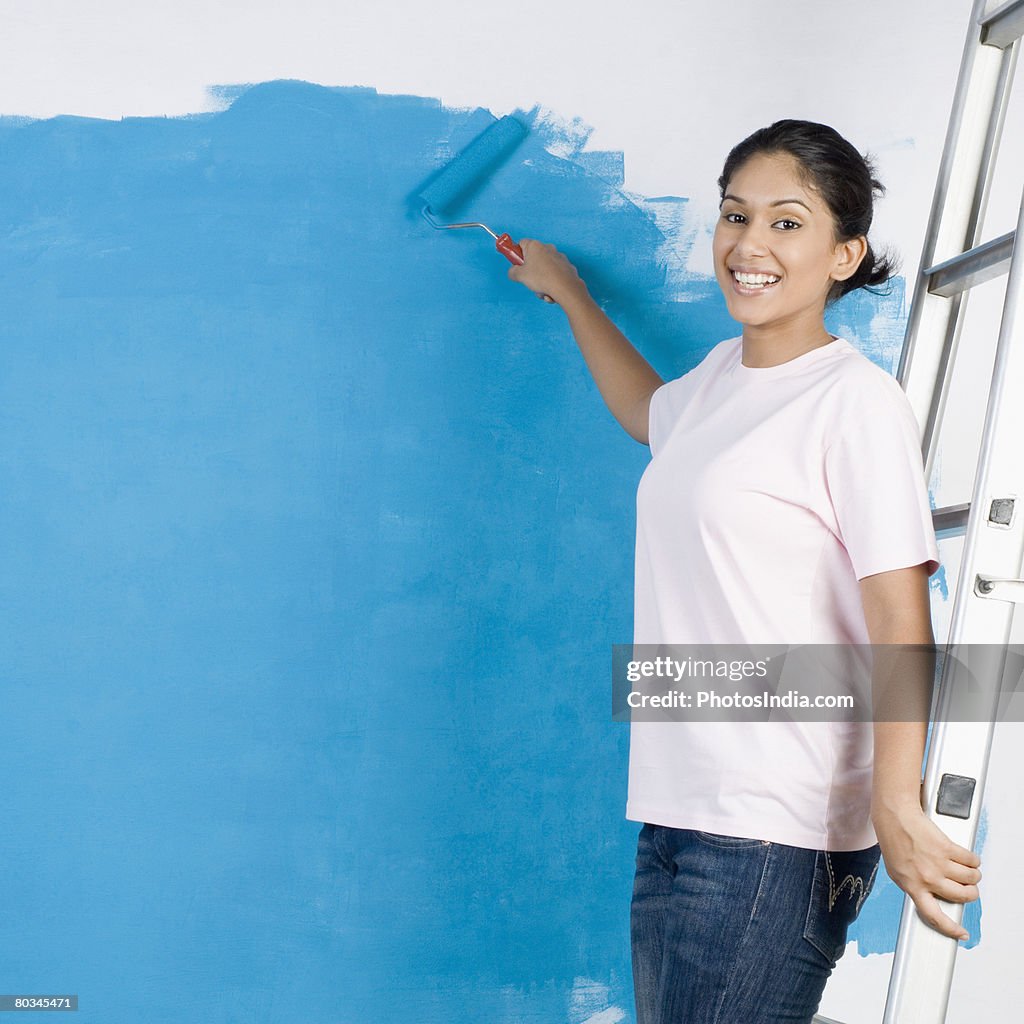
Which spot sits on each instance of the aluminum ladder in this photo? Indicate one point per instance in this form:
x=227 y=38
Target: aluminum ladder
x=953 y=261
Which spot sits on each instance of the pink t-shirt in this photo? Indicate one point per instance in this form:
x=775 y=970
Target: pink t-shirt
x=771 y=491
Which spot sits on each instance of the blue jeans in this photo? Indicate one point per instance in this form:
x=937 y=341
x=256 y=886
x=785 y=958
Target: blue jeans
x=738 y=931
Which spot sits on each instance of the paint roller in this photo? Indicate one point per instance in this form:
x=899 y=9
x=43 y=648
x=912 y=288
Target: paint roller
x=467 y=171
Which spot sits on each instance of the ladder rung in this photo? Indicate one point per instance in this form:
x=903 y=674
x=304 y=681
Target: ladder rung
x=818 y=1019
x=976 y=266
x=951 y=520
x=1004 y=25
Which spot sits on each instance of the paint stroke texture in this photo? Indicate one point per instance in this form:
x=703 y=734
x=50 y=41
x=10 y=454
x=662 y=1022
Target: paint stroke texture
x=315 y=535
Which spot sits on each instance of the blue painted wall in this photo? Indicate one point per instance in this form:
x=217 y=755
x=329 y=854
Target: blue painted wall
x=315 y=537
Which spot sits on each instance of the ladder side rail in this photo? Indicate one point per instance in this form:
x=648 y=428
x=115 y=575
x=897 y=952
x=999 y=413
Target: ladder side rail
x=954 y=225
x=961 y=742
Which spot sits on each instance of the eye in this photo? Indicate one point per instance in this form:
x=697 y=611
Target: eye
x=728 y=217
x=788 y=221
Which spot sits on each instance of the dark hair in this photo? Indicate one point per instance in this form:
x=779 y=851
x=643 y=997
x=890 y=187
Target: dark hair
x=844 y=179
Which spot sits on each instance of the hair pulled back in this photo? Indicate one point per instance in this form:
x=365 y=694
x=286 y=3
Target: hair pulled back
x=836 y=170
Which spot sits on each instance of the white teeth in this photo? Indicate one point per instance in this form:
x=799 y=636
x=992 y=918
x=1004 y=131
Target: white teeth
x=754 y=279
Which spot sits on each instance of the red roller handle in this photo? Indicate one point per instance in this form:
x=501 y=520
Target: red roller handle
x=512 y=252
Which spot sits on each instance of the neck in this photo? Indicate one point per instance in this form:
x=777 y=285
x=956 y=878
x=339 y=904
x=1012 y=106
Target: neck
x=771 y=346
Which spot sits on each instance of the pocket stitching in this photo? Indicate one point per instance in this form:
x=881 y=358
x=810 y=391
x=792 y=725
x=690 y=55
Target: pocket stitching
x=817 y=893
x=815 y=896
x=870 y=883
x=855 y=880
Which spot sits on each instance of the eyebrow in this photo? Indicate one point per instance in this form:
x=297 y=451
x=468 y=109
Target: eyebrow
x=778 y=202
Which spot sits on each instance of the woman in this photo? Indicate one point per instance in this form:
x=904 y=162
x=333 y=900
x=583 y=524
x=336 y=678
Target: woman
x=784 y=504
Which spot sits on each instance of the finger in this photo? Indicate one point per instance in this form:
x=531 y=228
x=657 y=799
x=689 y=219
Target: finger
x=963 y=874
x=954 y=892
x=932 y=914
x=965 y=856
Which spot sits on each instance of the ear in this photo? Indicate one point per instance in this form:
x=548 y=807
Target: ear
x=848 y=256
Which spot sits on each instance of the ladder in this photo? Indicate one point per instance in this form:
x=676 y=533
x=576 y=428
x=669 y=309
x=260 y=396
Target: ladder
x=955 y=260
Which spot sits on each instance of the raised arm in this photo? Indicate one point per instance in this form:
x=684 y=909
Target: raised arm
x=625 y=379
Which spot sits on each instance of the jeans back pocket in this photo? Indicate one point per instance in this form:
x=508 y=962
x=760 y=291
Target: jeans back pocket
x=842 y=881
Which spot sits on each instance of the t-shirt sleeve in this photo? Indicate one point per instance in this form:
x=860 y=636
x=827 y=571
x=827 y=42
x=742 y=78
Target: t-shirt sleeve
x=659 y=421
x=875 y=478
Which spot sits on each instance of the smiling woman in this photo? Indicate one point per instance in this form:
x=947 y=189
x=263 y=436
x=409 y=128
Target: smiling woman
x=791 y=236
x=784 y=502
x=776 y=258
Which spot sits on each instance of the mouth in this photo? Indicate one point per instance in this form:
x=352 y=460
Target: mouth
x=753 y=284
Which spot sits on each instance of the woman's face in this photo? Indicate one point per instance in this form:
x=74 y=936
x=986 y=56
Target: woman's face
x=772 y=227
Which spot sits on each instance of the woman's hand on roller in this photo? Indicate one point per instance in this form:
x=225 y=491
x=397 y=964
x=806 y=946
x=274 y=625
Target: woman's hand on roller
x=547 y=272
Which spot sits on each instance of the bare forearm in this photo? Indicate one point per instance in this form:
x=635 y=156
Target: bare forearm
x=898 y=616
x=902 y=683
x=899 y=752
x=625 y=379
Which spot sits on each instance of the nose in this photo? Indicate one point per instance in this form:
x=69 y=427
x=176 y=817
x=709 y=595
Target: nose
x=752 y=240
